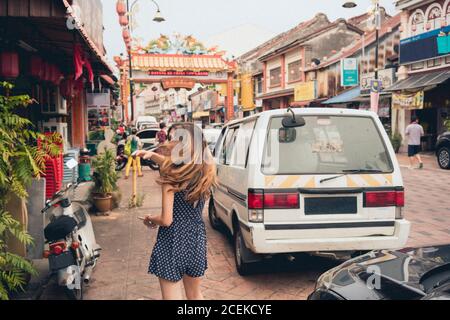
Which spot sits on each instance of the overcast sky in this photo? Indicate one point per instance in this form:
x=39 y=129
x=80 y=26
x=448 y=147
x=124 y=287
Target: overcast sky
x=205 y=18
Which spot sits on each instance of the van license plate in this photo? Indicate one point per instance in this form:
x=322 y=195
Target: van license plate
x=342 y=205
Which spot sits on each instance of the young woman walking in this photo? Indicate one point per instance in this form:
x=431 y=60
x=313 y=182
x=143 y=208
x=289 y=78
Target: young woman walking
x=187 y=175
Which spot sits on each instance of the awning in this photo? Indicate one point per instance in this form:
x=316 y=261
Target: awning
x=346 y=97
x=421 y=80
x=276 y=94
x=199 y=115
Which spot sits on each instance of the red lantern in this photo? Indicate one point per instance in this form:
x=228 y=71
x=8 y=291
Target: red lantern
x=36 y=67
x=56 y=75
x=123 y=20
x=9 y=64
x=47 y=72
x=67 y=87
x=121 y=8
x=126 y=34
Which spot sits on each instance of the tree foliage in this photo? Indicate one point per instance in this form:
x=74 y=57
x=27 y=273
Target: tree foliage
x=22 y=159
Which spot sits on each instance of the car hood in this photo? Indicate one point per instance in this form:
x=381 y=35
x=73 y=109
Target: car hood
x=386 y=274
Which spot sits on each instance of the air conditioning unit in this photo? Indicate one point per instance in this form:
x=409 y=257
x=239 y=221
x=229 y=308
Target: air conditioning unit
x=54 y=102
x=58 y=127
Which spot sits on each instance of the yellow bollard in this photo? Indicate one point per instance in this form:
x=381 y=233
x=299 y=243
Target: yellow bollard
x=134 y=198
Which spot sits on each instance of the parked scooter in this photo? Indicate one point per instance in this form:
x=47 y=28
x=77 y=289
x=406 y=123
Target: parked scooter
x=72 y=249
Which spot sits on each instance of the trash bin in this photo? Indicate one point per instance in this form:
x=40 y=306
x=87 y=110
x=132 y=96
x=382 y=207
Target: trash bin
x=84 y=167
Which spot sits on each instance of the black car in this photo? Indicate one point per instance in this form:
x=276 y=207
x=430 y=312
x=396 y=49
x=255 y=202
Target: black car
x=443 y=150
x=408 y=274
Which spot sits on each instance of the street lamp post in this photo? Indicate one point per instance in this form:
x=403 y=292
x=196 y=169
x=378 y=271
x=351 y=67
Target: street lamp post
x=158 y=18
x=377 y=18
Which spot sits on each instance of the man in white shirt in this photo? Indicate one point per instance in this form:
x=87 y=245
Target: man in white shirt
x=415 y=132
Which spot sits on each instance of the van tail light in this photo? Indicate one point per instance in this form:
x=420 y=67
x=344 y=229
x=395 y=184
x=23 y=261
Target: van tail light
x=281 y=201
x=382 y=199
x=260 y=200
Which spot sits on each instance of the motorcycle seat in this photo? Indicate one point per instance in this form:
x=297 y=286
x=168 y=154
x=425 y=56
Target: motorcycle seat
x=60 y=228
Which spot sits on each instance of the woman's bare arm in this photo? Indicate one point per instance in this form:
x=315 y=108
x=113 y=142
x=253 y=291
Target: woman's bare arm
x=166 y=217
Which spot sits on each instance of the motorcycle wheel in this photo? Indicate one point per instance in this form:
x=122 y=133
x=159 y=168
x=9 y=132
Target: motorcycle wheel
x=120 y=166
x=75 y=294
x=153 y=166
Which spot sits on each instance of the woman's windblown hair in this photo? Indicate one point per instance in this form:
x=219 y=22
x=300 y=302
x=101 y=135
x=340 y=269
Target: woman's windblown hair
x=189 y=165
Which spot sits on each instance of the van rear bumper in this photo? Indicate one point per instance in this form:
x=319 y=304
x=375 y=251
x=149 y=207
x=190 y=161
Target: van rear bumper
x=259 y=243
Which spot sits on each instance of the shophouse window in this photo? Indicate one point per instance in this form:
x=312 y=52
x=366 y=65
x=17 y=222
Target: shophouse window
x=259 y=85
x=434 y=18
x=417 y=23
x=418 y=66
x=434 y=63
x=275 y=77
x=295 y=71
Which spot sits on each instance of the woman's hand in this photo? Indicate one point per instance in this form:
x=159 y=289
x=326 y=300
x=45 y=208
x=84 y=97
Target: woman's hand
x=146 y=155
x=148 y=222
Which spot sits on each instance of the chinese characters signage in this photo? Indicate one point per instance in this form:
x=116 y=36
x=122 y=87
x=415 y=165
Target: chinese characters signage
x=179 y=73
x=414 y=101
x=306 y=91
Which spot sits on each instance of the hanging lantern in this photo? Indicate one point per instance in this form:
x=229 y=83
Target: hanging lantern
x=67 y=87
x=47 y=72
x=126 y=34
x=56 y=75
x=9 y=64
x=121 y=8
x=123 y=20
x=36 y=67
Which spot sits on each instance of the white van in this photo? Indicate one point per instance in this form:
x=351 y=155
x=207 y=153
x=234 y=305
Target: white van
x=148 y=121
x=310 y=180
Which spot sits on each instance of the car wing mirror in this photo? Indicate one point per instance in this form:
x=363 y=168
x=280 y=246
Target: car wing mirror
x=292 y=120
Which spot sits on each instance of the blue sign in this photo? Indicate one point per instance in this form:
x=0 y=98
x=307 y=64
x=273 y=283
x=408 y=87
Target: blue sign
x=349 y=72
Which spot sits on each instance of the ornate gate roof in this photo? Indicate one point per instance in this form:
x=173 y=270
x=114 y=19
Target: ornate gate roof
x=181 y=62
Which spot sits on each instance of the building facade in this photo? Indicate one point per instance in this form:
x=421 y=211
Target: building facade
x=423 y=89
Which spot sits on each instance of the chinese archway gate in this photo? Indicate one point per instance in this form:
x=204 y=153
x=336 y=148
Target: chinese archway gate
x=183 y=71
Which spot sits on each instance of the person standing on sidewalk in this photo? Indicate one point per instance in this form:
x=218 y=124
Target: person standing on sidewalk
x=161 y=136
x=180 y=253
x=414 y=132
x=133 y=144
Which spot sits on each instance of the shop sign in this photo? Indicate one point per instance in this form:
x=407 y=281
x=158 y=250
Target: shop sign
x=413 y=101
x=306 y=91
x=178 y=83
x=349 y=72
x=179 y=73
x=386 y=76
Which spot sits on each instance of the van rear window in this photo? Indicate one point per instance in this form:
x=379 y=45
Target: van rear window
x=325 y=145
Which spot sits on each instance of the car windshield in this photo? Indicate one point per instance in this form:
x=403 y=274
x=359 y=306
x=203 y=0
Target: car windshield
x=149 y=134
x=326 y=145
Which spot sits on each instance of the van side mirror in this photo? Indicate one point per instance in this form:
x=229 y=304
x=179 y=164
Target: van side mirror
x=292 y=120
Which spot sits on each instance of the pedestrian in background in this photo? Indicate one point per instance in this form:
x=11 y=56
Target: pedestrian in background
x=415 y=132
x=180 y=253
x=133 y=144
x=161 y=137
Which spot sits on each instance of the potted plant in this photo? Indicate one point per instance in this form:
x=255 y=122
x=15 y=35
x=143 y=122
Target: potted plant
x=396 y=141
x=105 y=179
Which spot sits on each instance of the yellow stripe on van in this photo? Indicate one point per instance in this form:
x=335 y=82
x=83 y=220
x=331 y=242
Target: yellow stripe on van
x=289 y=182
x=371 y=181
x=270 y=180
x=311 y=183
x=351 y=183
x=389 y=178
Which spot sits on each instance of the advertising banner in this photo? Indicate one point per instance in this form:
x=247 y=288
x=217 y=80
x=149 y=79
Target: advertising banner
x=413 y=101
x=349 y=72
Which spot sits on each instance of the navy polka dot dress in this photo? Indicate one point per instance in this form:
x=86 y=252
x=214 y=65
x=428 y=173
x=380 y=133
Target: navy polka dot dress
x=181 y=248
